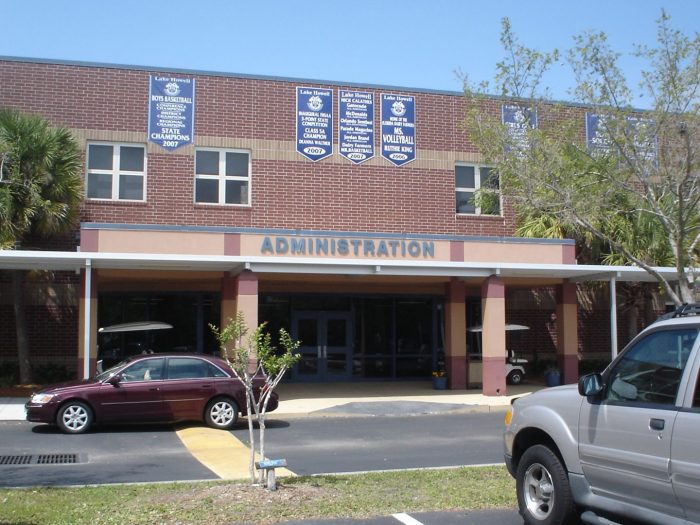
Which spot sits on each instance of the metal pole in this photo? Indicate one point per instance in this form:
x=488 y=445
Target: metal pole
x=87 y=325
x=613 y=317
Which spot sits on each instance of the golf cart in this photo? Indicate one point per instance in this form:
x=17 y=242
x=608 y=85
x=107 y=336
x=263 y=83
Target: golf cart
x=119 y=341
x=515 y=366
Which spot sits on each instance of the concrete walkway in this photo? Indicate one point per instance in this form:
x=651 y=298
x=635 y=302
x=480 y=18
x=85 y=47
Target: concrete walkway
x=355 y=399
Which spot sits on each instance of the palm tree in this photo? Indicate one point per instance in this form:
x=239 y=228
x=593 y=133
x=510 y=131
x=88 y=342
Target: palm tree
x=41 y=189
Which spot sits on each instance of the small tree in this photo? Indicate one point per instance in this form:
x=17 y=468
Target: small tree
x=260 y=368
x=637 y=188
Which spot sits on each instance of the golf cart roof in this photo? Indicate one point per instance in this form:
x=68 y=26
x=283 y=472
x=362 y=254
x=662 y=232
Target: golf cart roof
x=135 y=327
x=509 y=328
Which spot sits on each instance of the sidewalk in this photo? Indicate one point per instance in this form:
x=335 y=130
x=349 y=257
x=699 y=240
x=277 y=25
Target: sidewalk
x=356 y=399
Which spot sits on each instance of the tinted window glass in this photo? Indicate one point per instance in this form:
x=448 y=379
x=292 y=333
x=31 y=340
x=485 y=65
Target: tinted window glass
x=207 y=190
x=236 y=164
x=99 y=186
x=215 y=371
x=464 y=177
x=100 y=157
x=207 y=163
x=131 y=187
x=465 y=202
x=489 y=179
x=187 y=368
x=236 y=192
x=651 y=371
x=146 y=370
x=131 y=158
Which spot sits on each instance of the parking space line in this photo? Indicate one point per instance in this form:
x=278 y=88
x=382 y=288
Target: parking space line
x=406 y=519
x=220 y=452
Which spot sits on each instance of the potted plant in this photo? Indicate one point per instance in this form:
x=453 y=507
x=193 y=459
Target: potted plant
x=552 y=376
x=439 y=379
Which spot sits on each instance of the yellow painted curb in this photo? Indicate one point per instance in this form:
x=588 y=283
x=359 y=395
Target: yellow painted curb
x=220 y=452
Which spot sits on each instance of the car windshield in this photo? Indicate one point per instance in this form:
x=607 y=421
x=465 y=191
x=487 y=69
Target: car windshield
x=110 y=371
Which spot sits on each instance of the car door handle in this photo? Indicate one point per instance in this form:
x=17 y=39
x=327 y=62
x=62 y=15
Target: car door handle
x=206 y=386
x=656 y=424
x=154 y=389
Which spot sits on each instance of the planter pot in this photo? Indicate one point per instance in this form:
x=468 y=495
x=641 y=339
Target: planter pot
x=553 y=378
x=440 y=383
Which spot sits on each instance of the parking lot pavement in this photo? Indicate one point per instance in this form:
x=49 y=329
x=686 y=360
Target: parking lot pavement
x=475 y=517
x=44 y=457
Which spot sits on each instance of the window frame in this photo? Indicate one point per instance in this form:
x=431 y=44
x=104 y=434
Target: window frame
x=116 y=172
x=478 y=181
x=222 y=178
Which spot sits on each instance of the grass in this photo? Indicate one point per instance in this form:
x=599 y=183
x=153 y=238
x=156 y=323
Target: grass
x=366 y=495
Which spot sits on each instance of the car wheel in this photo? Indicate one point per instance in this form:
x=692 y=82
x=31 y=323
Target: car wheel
x=515 y=377
x=74 y=417
x=544 y=494
x=222 y=413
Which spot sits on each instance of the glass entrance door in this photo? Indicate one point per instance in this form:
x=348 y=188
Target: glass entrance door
x=326 y=347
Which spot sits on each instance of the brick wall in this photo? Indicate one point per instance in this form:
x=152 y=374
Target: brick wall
x=293 y=193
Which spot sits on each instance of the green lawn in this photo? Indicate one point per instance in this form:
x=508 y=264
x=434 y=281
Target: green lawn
x=227 y=502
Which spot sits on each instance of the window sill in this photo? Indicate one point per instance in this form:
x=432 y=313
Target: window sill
x=119 y=202
x=479 y=215
x=227 y=206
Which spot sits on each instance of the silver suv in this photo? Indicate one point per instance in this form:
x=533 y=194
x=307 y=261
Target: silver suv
x=622 y=447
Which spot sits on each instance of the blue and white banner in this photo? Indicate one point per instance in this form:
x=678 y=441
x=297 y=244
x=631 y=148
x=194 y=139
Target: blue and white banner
x=597 y=134
x=518 y=119
x=398 y=128
x=599 y=129
x=356 y=125
x=644 y=137
x=171 y=111
x=314 y=122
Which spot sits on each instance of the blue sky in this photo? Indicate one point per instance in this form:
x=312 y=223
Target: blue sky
x=407 y=43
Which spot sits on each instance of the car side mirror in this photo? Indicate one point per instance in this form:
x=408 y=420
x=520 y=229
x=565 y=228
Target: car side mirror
x=115 y=379
x=590 y=385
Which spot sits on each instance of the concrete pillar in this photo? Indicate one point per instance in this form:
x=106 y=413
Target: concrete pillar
x=240 y=294
x=493 y=309
x=456 y=336
x=567 y=332
x=247 y=297
x=92 y=325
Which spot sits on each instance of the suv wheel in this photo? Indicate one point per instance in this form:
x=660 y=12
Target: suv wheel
x=544 y=495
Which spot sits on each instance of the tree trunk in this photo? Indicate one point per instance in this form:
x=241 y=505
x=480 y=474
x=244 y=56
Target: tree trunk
x=25 y=370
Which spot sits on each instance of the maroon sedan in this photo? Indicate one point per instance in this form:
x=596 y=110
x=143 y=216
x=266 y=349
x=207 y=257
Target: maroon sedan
x=147 y=388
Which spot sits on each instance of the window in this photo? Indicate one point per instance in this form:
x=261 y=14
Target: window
x=477 y=190
x=116 y=172
x=651 y=371
x=222 y=177
x=146 y=370
x=188 y=368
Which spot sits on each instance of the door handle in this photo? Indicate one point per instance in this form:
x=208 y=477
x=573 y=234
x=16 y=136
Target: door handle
x=320 y=352
x=656 y=424
x=154 y=389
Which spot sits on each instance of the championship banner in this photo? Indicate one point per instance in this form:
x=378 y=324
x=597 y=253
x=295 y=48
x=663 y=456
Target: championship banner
x=314 y=123
x=356 y=125
x=398 y=114
x=597 y=135
x=171 y=111
x=517 y=120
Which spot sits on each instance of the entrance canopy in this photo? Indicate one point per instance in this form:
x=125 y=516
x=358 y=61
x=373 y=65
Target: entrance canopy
x=75 y=261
